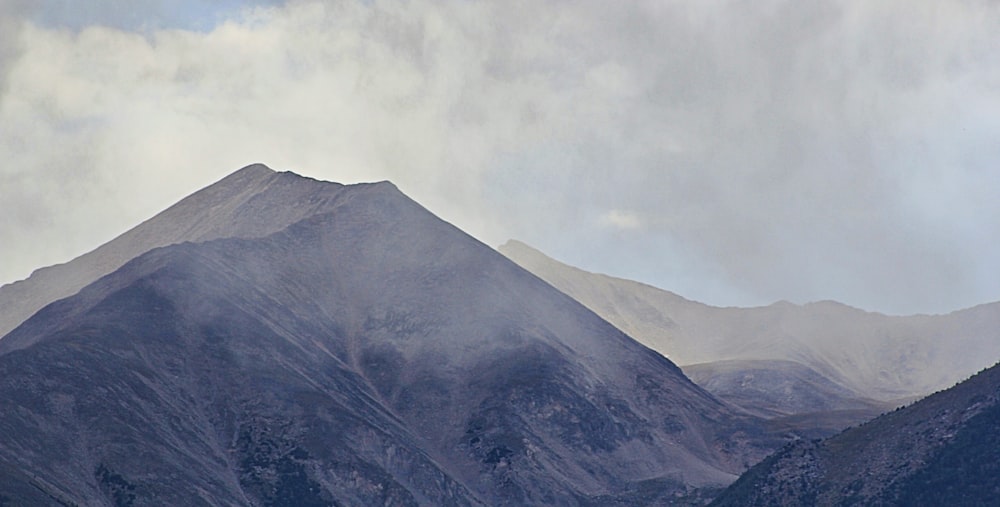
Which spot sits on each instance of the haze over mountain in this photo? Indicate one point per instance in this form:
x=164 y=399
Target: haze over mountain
x=322 y=344
x=778 y=388
x=869 y=354
x=249 y=203
x=942 y=450
x=739 y=153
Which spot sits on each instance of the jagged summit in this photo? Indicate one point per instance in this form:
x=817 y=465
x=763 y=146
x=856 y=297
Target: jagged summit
x=252 y=202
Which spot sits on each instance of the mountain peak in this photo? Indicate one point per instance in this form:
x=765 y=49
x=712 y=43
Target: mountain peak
x=519 y=249
x=256 y=169
x=252 y=202
x=513 y=243
x=246 y=175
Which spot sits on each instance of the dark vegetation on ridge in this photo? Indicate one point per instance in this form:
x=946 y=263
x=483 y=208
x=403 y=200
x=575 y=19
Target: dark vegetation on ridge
x=942 y=450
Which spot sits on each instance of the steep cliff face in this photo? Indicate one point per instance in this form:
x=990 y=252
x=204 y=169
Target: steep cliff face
x=365 y=353
x=942 y=450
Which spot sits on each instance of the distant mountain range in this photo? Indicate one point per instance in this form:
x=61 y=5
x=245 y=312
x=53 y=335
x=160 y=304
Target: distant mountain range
x=276 y=340
x=820 y=368
x=862 y=356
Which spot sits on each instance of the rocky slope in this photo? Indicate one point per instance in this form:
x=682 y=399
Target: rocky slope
x=872 y=355
x=356 y=350
x=942 y=450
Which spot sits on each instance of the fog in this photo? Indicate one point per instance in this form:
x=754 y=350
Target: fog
x=736 y=153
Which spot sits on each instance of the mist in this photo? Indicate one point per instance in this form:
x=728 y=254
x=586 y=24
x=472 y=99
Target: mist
x=734 y=153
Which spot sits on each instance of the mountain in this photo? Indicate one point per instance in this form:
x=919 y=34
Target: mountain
x=874 y=356
x=942 y=450
x=352 y=349
x=788 y=394
x=250 y=203
x=777 y=388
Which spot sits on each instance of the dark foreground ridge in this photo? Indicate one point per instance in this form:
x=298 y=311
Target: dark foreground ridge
x=356 y=350
x=942 y=450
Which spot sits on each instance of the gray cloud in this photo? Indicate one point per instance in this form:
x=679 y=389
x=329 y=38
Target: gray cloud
x=735 y=153
x=11 y=18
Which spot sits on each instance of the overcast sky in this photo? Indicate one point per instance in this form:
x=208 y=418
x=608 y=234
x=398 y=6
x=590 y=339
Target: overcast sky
x=734 y=152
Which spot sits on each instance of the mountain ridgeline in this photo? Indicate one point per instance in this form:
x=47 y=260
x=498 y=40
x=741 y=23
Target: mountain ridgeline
x=275 y=340
x=812 y=368
x=250 y=203
x=864 y=356
x=942 y=450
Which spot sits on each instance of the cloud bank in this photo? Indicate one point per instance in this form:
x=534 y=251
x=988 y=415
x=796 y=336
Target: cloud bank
x=736 y=153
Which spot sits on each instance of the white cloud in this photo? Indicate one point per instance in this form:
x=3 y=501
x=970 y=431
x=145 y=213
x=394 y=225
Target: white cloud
x=621 y=219
x=779 y=144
